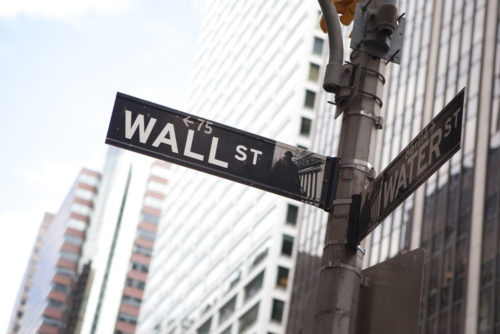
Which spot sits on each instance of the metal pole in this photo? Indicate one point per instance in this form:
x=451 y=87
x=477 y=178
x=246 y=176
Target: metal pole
x=340 y=275
x=377 y=34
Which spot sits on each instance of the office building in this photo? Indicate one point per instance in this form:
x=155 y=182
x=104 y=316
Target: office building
x=120 y=241
x=449 y=45
x=90 y=263
x=27 y=282
x=46 y=299
x=224 y=254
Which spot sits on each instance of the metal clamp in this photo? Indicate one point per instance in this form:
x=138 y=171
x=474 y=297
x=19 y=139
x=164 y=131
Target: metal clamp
x=378 y=121
x=361 y=165
x=330 y=265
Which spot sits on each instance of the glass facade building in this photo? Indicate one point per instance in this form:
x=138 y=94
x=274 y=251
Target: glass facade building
x=449 y=45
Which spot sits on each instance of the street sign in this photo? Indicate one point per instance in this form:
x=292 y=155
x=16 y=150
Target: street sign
x=432 y=147
x=389 y=298
x=217 y=149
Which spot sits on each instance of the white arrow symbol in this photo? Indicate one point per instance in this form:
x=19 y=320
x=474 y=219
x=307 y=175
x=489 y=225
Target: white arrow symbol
x=187 y=121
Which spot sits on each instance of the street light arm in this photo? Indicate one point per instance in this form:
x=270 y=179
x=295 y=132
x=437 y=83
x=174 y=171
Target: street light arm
x=334 y=68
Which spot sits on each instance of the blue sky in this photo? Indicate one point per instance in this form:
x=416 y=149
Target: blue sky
x=61 y=64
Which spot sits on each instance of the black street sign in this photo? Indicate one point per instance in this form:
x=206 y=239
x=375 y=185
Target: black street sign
x=432 y=147
x=217 y=149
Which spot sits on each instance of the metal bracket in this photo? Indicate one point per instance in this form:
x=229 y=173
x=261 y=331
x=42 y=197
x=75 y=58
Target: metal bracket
x=330 y=183
x=360 y=165
x=378 y=121
x=341 y=202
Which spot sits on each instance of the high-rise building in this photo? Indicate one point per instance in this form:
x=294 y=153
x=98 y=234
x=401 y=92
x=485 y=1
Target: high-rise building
x=89 y=266
x=224 y=254
x=120 y=241
x=22 y=296
x=449 y=45
x=46 y=294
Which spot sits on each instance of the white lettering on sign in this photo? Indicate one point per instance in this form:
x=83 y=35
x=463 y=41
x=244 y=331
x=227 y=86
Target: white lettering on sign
x=167 y=136
x=213 y=152
x=162 y=138
x=242 y=155
x=138 y=123
x=419 y=156
x=189 y=144
x=448 y=125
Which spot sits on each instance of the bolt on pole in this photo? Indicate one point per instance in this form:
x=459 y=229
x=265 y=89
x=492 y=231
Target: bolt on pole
x=358 y=87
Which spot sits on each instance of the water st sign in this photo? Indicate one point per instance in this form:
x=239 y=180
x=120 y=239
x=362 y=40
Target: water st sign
x=428 y=151
x=187 y=140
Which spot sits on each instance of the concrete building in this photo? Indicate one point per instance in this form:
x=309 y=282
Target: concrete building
x=46 y=294
x=120 y=241
x=89 y=266
x=27 y=282
x=225 y=253
x=449 y=45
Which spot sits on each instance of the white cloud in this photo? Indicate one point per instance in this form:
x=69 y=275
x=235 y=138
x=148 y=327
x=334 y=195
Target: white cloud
x=59 y=9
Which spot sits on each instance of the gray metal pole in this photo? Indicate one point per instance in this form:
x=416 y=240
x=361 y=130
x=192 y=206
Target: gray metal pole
x=376 y=35
x=340 y=275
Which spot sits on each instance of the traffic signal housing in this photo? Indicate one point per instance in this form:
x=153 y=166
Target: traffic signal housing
x=346 y=9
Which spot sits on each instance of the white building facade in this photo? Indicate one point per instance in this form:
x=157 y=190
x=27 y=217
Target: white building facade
x=120 y=241
x=224 y=256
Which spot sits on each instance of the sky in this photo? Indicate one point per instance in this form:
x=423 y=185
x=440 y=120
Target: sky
x=61 y=64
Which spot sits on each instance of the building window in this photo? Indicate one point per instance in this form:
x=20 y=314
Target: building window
x=71 y=239
x=52 y=322
x=287 y=245
x=147 y=234
x=318 y=46
x=140 y=267
x=136 y=283
x=248 y=319
x=57 y=305
x=305 y=126
x=61 y=288
x=252 y=288
x=226 y=331
x=313 y=72
x=143 y=250
x=128 y=318
x=277 y=311
x=131 y=301
x=292 y=213
x=227 y=310
x=282 y=280
x=205 y=328
x=150 y=218
x=309 y=100
x=70 y=256
x=259 y=257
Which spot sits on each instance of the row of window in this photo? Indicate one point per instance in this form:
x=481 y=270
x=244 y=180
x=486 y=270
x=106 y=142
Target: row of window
x=310 y=96
x=135 y=283
x=246 y=321
x=250 y=290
